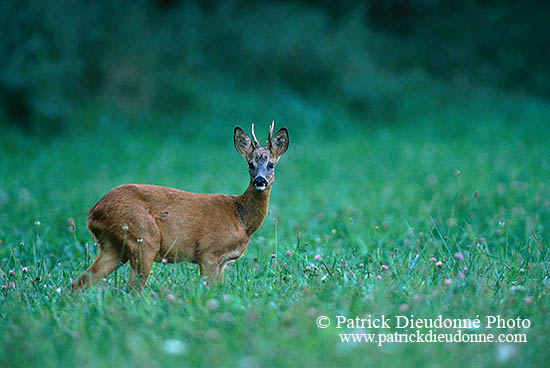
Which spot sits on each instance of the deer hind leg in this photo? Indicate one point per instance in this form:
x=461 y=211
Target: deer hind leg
x=142 y=255
x=140 y=267
x=108 y=259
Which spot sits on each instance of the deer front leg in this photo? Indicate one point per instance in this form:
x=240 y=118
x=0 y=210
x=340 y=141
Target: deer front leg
x=212 y=270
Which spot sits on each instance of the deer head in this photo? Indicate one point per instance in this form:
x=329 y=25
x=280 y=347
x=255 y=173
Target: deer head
x=261 y=160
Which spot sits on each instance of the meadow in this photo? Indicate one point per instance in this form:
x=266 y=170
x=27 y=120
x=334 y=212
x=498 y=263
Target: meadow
x=417 y=180
x=361 y=213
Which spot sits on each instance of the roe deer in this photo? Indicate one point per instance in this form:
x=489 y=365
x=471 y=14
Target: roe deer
x=146 y=223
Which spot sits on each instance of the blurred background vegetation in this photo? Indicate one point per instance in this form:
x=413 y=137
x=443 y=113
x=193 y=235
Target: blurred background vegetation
x=76 y=65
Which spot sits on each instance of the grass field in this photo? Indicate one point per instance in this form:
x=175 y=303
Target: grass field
x=429 y=178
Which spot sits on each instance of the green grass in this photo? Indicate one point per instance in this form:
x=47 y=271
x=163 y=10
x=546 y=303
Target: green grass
x=429 y=178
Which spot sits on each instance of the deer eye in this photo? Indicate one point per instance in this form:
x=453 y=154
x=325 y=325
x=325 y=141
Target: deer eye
x=270 y=165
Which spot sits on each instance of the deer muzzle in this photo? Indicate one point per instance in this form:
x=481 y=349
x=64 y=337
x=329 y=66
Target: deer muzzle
x=260 y=182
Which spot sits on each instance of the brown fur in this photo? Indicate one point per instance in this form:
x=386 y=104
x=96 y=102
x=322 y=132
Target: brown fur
x=146 y=223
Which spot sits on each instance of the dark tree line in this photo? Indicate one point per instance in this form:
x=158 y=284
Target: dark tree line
x=59 y=55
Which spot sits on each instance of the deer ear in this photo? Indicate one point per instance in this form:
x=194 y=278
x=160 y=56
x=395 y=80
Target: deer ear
x=243 y=143
x=279 y=143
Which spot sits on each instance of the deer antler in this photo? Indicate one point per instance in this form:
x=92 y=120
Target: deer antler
x=255 y=141
x=270 y=134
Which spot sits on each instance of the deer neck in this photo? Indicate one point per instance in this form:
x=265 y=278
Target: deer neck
x=252 y=207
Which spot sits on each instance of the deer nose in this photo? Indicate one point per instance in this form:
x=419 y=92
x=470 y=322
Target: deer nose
x=260 y=181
